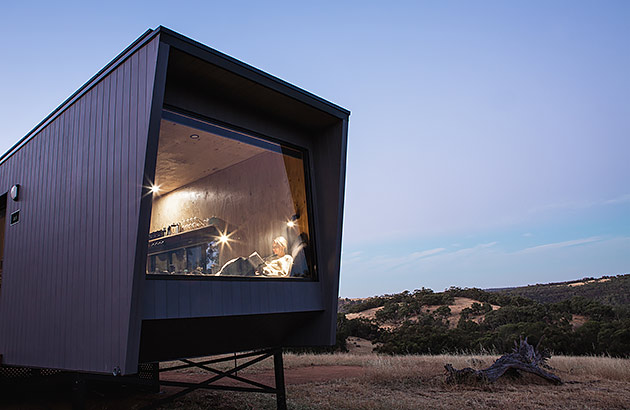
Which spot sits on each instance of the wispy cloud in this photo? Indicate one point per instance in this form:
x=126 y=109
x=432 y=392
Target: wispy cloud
x=486 y=265
x=528 y=234
x=391 y=262
x=557 y=245
x=581 y=204
x=423 y=254
x=473 y=249
x=619 y=200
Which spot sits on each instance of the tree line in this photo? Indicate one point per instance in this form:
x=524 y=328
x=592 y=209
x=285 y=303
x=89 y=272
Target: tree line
x=608 y=290
x=482 y=329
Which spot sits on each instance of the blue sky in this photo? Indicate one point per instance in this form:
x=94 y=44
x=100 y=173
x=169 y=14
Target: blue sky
x=489 y=141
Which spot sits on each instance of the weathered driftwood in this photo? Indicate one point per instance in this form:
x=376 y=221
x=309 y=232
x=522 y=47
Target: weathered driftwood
x=524 y=358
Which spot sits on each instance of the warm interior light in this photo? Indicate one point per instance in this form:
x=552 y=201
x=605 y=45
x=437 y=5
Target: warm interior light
x=194 y=136
x=224 y=238
x=291 y=222
x=155 y=189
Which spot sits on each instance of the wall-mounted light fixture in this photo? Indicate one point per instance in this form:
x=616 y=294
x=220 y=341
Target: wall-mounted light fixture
x=15 y=192
x=194 y=136
x=291 y=222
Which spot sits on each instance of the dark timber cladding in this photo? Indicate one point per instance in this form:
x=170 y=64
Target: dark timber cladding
x=75 y=293
x=69 y=262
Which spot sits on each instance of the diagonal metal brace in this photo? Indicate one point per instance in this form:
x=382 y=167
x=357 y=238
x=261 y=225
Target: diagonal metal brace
x=279 y=389
x=219 y=360
x=227 y=374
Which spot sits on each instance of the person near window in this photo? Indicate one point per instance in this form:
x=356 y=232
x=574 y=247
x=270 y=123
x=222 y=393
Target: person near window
x=279 y=264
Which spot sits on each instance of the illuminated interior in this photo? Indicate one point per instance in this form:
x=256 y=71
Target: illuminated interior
x=227 y=204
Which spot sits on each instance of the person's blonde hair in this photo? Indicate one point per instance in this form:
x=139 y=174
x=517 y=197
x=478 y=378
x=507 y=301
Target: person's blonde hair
x=282 y=241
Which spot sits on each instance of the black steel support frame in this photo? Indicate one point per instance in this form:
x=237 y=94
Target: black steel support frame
x=79 y=383
x=258 y=356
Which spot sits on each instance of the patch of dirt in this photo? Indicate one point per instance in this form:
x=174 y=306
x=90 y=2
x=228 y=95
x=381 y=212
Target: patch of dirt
x=574 y=284
x=366 y=314
x=456 y=310
x=298 y=375
x=463 y=303
x=578 y=320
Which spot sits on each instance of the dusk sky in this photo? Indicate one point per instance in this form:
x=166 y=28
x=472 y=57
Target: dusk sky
x=489 y=141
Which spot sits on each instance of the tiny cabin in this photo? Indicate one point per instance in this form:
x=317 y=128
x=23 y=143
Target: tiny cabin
x=180 y=204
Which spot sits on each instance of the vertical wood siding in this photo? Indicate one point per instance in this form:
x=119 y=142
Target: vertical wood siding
x=68 y=264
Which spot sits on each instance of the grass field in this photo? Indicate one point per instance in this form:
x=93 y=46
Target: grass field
x=417 y=382
x=370 y=381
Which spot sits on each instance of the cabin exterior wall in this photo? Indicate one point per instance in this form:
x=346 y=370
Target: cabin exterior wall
x=75 y=295
x=67 y=281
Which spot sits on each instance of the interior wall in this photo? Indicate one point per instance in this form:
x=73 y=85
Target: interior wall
x=297 y=183
x=253 y=195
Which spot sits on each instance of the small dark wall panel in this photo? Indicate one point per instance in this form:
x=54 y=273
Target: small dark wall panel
x=69 y=262
x=181 y=298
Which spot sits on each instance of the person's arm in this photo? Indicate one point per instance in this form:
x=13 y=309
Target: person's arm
x=278 y=267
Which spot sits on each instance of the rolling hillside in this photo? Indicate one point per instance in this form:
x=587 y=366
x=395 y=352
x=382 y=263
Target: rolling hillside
x=589 y=316
x=608 y=290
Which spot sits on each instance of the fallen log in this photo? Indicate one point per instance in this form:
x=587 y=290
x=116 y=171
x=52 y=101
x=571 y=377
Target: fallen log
x=524 y=358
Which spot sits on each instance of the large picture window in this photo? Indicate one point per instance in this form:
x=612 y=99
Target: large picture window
x=227 y=204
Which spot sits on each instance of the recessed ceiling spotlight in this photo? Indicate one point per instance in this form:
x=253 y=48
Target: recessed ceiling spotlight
x=194 y=136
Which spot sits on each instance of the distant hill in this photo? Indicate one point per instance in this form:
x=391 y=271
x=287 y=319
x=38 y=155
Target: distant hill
x=608 y=290
x=586 y=316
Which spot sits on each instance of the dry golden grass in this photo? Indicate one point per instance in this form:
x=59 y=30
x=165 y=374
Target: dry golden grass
x=357 y=345
x=364 y=314
x=370 y=381
x=601 y=367
x=417 y=382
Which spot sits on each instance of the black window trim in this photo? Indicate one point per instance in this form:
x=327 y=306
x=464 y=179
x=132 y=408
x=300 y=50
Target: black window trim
x=184 y=117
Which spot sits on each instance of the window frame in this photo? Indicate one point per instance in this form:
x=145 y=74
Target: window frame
x=244 y=135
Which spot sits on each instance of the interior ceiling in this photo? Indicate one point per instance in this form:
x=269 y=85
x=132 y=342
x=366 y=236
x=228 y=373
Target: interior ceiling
x=182 y=160
x=186 y=72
